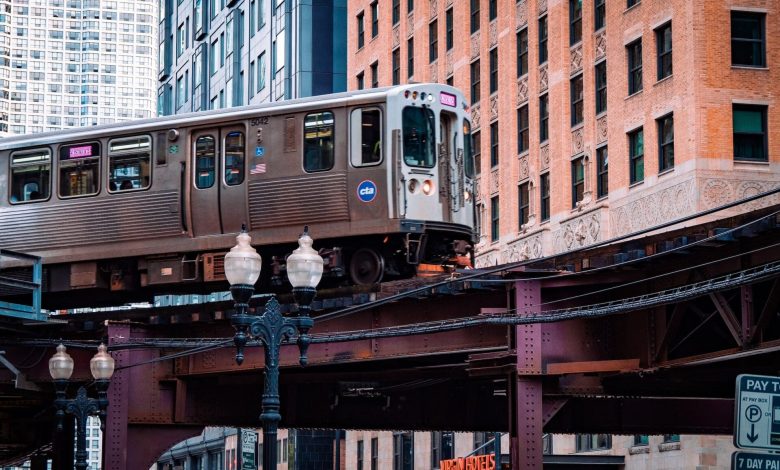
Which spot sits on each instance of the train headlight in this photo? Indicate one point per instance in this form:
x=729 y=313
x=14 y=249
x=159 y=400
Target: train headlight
x=430 y=97
x=428 y=187
x=413 y=186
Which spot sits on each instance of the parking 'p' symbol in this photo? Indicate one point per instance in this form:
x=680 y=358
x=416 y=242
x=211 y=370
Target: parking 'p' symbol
x=753 y=413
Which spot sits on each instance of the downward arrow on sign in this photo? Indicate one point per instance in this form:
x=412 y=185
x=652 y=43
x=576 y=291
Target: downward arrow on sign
x=752 y=436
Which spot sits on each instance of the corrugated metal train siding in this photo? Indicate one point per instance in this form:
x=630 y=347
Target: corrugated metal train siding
x=299 y=200
x=143 y=215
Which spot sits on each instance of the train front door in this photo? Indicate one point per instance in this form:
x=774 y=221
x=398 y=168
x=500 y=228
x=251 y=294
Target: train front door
x=218 y=192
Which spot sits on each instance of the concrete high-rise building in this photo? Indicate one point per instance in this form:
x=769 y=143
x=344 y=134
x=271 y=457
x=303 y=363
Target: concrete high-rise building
x=222 y=53
x=593 y=119
x=74 y=63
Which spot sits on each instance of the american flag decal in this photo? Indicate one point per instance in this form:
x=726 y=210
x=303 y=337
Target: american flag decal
x=258 y=169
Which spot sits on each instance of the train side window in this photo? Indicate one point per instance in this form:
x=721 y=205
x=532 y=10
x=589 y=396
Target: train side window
x=419 y=135
x=79 y=169
x=366 y=132
x=30 y=176
x=129 y=161
x=468 y=150
x=234 y=158
x=205 y=158
x=318 y=141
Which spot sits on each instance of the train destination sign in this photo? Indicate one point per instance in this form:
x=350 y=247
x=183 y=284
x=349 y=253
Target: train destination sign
x=754 y=461
x=75 y=152
x=757 y=408
x=448 y=99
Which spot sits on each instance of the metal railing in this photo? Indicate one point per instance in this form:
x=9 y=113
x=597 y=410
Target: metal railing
x=20 y=275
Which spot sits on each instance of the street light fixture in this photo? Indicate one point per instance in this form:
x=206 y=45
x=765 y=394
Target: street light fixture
x=82 y=407
x=242 y=268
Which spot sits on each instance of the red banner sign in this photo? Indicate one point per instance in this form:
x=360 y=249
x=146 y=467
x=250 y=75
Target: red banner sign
x=475 y=462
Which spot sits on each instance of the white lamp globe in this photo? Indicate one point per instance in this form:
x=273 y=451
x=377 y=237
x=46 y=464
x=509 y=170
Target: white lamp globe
x=61 y=364
x=102 y=364
x=242 y=263
x=304 y=265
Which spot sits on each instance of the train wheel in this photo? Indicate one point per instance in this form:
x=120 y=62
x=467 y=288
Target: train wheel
x=366 y=267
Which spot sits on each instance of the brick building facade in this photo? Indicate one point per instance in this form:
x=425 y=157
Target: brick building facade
x=594 y=118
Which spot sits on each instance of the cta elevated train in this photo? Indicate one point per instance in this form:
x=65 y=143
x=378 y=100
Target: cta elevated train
x=383 y=177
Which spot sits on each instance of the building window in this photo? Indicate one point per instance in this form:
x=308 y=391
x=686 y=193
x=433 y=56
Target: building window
x=602 y=172
x=494 y=70
x=403 y=451
x=577 y=181
x=544 y=117
x=523 y=203
x=750 y=132
x=375 y=75
x=522 y=129
x=442 y=447
x=410 y=57
x=631 y=3
x=475 y=82
x=474 y=16
x=494 y=213
x=360 y=40
x=494 y=144
x=748 y=46
x=600 y=14
x=477 y=145
x=360 y=81
x=634 y=51
x=543 y=39
x=396 y=12
x=522 y=52
x=663 y=41
x=641 y=440
x=492 y=9
x=449 y=24
x=374 y=453
x=360 y=455
x=433 y=41
x=374 y=19
x=396 y=66
x=577 y=112
x=588 y=442
x=665 y=142
x=636 y=153
x=601 y=87
x=671 y=438
x=409 y=6
x=544 y=196
x=575 y=21
x=261 y=71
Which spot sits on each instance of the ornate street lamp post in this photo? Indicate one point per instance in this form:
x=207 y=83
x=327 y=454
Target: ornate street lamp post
x=82 y=407
x=242 y=268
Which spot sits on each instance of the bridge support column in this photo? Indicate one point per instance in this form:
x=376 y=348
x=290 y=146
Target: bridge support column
x=115 y=450
x=526 y=448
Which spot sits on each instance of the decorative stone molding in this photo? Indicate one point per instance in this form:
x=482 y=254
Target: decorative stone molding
x=493 y=29
x=525 y=248
x=576 y=59
x=661 y=206
x=601 y=129
x=715 y=192
x=495 y=182
x=475 y=45
x=637 y=449
x=667 y=446
x=543 y=78
x=522 y=13
x=410 y=24
x=522 y=90
x=751 y=188
x=542 y=6
x=487 y=260
x=544 y=157
x=396 y=36
x=448 y=63
x=524 y=172
x=448 y=3
x=577 y=140
x=578 y=232
x=475 y=117
x=434 y=8
x=493 y=107
x=477 y=188
x=601 y=44
x=435 y=71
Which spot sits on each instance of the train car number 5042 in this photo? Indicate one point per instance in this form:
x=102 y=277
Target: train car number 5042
x=259 y=121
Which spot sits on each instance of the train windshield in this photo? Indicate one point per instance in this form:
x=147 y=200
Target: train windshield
x=468 y=151
x=419 y=137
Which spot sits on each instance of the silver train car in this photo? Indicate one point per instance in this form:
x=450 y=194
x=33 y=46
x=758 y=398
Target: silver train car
x=383 y=177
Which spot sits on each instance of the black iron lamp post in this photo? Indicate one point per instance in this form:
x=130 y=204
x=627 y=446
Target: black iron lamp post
x=82 y=407
x=242 y=268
